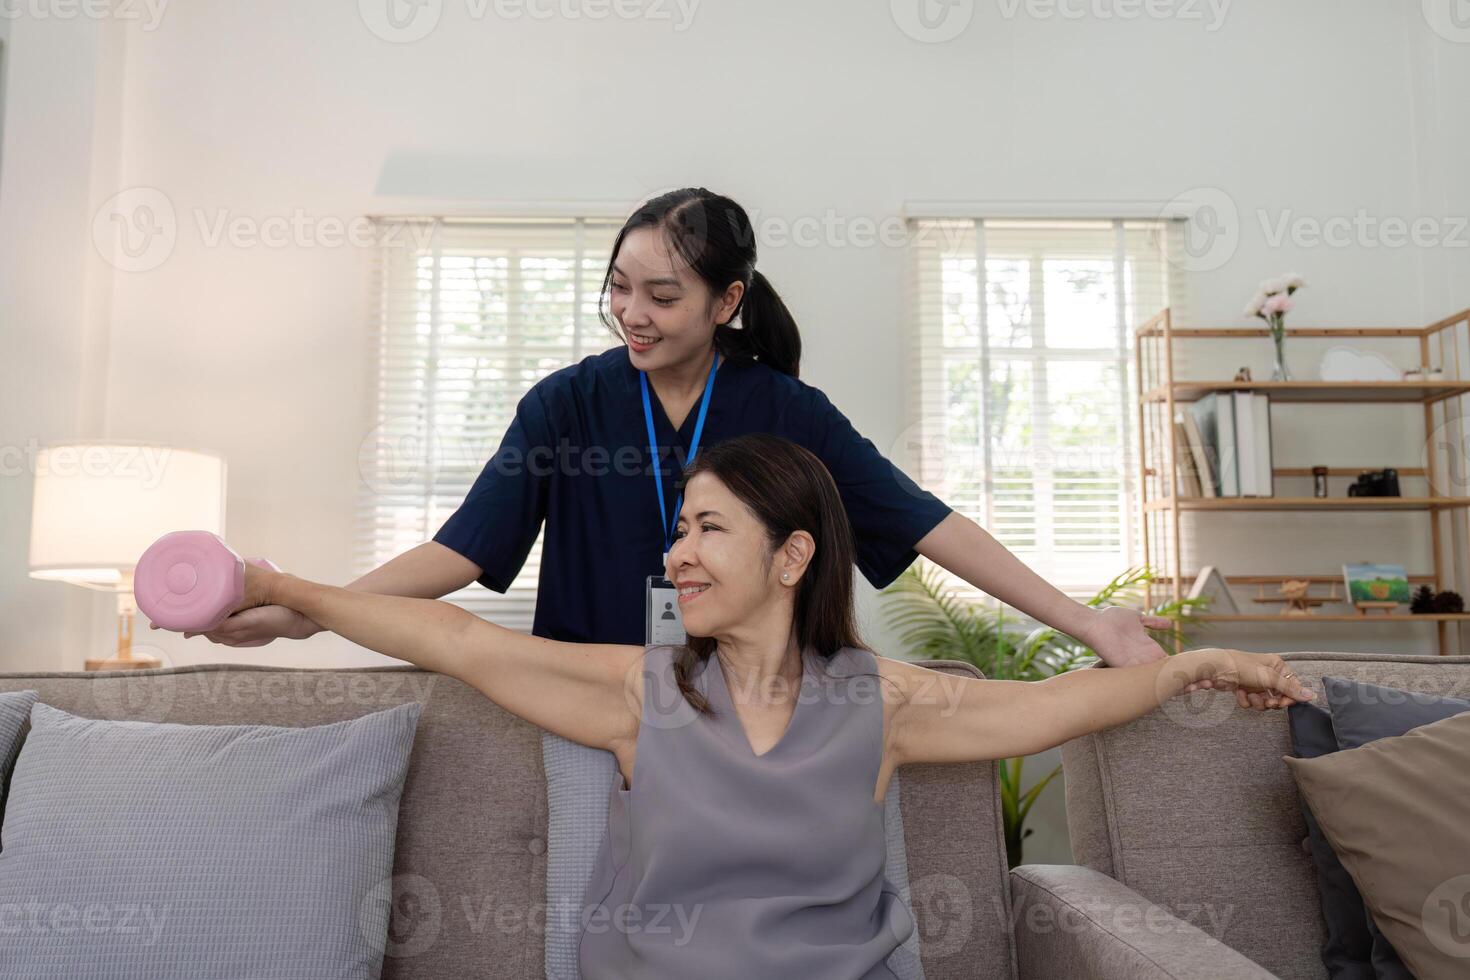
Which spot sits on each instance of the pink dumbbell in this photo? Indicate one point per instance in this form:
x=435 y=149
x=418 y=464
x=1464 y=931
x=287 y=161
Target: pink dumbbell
x=190 y=580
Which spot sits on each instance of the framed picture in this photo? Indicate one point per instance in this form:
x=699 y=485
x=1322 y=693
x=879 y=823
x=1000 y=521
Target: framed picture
x=1369 y=582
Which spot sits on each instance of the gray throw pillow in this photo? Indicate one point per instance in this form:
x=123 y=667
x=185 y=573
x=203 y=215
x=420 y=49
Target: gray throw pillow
x=155 y=850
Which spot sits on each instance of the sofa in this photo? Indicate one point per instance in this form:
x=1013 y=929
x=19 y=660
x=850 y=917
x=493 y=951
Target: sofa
x=470 y=858
x=468 y=890
x=1191 y=808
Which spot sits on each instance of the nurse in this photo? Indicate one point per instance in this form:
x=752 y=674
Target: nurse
x=709 y=353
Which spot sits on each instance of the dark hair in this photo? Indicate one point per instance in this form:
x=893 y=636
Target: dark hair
x=714 y=235
x=788 y=489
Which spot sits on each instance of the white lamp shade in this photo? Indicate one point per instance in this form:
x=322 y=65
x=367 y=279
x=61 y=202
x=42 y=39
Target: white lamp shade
x=99 y=505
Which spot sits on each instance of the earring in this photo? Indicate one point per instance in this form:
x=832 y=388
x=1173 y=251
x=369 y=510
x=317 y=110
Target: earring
x=784 y=576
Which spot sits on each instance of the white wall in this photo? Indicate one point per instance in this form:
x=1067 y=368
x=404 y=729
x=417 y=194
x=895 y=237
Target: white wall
x=823 y=111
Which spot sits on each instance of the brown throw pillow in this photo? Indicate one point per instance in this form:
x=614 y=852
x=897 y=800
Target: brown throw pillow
x=1397 y=814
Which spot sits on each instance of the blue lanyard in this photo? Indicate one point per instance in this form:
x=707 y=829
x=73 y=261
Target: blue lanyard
x=658 y=479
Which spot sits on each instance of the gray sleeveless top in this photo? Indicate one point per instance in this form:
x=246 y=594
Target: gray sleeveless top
x=722 y=863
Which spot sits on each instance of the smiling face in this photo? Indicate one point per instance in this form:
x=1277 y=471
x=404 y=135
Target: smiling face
x=722 y=562
x=665 y=311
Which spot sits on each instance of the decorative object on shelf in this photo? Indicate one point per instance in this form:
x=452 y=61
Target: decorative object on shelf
x=1424 y=373
x=1376 y=483
x=1319 y=481
x=1356 y=364
x=1294 y=591
x=1375 y=586
x=1244 y=374
x=1296 y=594
x=1211 y=585
x=1427 y=601
x=1272 y=304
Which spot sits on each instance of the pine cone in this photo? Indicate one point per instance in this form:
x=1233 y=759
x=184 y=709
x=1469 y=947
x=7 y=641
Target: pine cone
x=1449 y=602
x=1423 y=601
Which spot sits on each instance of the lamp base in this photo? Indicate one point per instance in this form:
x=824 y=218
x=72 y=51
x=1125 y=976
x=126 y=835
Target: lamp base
x=133 y=662
x=125 y=658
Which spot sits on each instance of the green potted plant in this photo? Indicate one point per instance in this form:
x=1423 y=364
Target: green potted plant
x=936 y=623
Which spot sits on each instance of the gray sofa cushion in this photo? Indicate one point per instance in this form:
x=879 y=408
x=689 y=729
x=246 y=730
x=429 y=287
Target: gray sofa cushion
x=155 y=850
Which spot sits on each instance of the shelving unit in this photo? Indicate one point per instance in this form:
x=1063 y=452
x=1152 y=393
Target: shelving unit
x=1440 y=345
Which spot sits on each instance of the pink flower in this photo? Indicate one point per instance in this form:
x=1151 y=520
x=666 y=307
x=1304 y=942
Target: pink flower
x=1279 y=303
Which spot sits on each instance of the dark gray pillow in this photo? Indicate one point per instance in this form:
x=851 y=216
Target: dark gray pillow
x=1358 y=713
x=155 y=850
x=1347 y=950
x=15 y=711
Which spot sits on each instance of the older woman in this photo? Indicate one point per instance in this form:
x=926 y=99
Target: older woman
x=750 y=841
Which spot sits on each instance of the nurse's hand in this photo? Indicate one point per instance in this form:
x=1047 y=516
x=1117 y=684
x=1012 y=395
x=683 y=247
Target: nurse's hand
x=259 y=625
x=1117 y=635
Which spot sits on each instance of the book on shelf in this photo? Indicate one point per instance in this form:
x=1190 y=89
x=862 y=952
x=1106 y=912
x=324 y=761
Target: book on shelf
x=1189 y=484
x=1232 y=433
x=1203 y=481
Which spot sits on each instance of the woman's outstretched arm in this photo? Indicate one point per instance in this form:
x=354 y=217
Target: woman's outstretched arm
x=588 y=693
x=944 y=718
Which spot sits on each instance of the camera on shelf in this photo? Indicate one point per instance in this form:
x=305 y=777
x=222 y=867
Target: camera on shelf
x=1375 y=483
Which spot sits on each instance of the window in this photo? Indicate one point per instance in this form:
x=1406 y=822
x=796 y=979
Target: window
x=468 y=315
x=1024 y=403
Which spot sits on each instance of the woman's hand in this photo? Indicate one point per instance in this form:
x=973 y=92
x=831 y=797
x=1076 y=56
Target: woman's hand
x=256 y=620
x=1259 y=680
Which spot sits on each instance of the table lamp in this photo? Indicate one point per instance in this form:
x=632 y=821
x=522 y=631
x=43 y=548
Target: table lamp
x=99 y=505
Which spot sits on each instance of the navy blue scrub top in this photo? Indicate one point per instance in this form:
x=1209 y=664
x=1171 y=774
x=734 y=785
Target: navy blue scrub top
x=576 y=457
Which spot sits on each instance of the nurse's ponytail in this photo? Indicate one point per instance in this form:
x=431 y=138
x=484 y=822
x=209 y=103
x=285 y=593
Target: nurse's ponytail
x=767 y=330
x=713 y=234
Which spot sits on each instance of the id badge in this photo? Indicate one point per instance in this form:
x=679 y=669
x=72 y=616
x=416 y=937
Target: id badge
x=662 y=623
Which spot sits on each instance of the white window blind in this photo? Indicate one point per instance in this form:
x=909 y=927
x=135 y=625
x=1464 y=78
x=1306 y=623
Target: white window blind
x=1025 y=404
x=468 y=315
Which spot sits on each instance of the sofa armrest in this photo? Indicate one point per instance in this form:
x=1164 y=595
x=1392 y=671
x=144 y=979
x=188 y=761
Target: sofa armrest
x=1072 y=921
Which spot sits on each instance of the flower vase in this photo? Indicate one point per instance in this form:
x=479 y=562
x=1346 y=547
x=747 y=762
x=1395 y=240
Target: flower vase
x=1279 y=371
